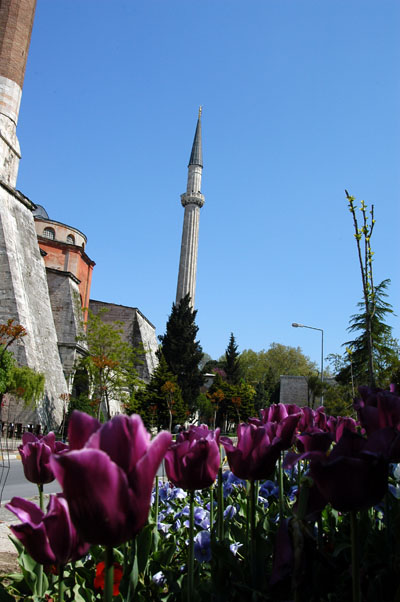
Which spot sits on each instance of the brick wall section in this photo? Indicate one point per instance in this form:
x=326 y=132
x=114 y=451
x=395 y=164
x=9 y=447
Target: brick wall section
x=16 y=21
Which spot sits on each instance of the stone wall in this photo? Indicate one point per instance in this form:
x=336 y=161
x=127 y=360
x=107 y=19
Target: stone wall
x=294 y=389
x=67 y=315
x=137 y=330
x=24 y=296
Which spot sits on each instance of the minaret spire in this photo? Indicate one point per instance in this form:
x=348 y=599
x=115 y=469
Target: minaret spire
x=192 y=200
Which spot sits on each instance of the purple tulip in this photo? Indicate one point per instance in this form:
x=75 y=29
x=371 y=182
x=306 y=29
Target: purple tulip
x=49 y=538
x=377 y=409
x=80 y=427
x=35 y=454
x=257 y=451
x=314 y=440
x=193 y=461
x=108 y=483
x=352 y=477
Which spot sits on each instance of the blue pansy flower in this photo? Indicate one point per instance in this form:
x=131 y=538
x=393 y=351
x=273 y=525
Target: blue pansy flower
x=202 y=546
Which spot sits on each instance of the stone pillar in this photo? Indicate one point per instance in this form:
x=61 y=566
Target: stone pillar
x=16 y=20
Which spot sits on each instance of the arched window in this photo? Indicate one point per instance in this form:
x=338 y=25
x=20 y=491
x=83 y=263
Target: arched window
x=70 y=239
x=49 y=233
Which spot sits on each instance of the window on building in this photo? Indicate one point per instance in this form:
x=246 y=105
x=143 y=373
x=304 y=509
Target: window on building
x=70 y=239
x=49 y=233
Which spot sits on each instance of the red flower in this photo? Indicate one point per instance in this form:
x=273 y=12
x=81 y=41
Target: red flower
x=99 y=579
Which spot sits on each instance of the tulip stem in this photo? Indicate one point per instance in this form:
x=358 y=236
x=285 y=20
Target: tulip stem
x=355 y=562
x=211 y=510
x=253 y=551
x=41 y=499
x=109 y=576
x=61 y=585
x=191 y=549
x=156 y=501
x=40 y=568
x=220 y=506
x=281 y=502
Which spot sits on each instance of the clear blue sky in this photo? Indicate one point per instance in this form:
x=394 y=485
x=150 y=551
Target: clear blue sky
x=301 y=100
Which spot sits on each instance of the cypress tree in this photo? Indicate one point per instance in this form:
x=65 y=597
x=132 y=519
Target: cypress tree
x=182 y=352
x=232 y=364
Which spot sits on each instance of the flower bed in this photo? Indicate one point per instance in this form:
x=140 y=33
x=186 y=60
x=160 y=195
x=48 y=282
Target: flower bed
x=303 y=507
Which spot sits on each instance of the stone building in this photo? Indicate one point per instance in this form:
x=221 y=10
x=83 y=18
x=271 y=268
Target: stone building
x=45 y=272
x=24 y=293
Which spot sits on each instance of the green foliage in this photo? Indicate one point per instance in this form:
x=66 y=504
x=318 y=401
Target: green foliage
x=338 y=400
x=266 y=367
x=232 y=403
x=385 y=349
x=205 y=409
x=7 y=363
x=110 y=362
x=21 y=381
x=160 y=403
x=182 y=352
x=232 y=364
x=27 y=384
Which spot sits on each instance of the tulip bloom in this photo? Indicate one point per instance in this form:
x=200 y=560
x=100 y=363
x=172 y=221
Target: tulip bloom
x=352 y=477
x=49 y=538
x=258 y=448
x=193 y=461
x=35 y=454
x=108 y=483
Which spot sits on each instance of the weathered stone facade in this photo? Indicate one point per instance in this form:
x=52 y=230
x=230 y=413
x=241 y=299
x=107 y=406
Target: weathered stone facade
x=294 y=389
x=137 y=331
x=24 y=296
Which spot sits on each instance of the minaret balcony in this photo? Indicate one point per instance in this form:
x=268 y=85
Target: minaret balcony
x=194 y=198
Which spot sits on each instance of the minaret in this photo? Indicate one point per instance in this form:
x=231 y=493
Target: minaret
x=192 y=200
x=16 y=20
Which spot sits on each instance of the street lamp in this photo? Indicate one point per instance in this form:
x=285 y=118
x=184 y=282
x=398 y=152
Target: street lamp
x=296 y=325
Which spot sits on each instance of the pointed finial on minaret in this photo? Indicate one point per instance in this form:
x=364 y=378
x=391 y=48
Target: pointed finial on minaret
x=196 y=156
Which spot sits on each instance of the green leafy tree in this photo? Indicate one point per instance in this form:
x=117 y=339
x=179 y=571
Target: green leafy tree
x=232 y=364
x=20 y=381
x=338 y=400
x=232 y=403
x=266 y=367
x=182 y=352
x=160 y=403
x=110 y=363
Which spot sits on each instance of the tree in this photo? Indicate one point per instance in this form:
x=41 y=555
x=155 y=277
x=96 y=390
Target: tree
x=21 y=381
x=110 y=363
x=363 y=236
x=232 y=363
x=160 y=403
x=232 y=403
x=356 y=363
x=266 y=367
x=182 y=352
